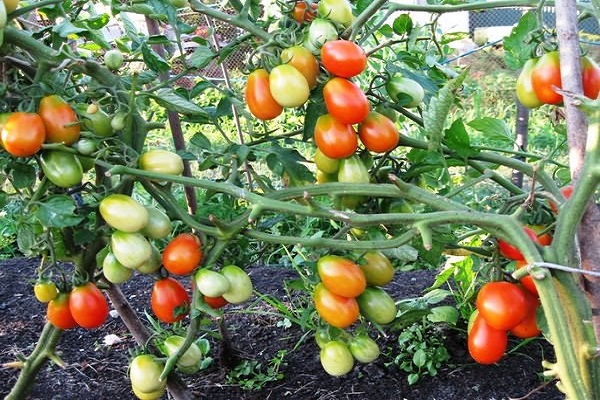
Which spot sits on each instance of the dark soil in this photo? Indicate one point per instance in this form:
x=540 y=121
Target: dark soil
x=96 y=371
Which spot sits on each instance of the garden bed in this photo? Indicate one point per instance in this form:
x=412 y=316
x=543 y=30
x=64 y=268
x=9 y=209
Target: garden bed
x=96 y=371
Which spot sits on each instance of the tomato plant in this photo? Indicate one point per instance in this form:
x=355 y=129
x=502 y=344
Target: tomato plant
x=320 y=31
x=486 y=344
x=23 y=134
x=378 y=269
x=88 y=306
x=338 y=311
x=191 y=357
x=169 y=300
x=95 y=120
x=326 y=164
x=288 y=86
x=215 y=302
x=335 y=139
x=345 y=101
x=336 y=358
x=159 y=225
x=59 y=313
x=378 y=133
x=60 y=120
x=304 y=61
x=258 y=96
x=524 y=88
x=183 y=254
x=527 y=281
x=341 y=276
x=114 y=271
x=352 y=170
x=566 y=191
x=590 y=72
x=528 y=327
x=343 y=58
x=511 y=252
x=377 y=305
x=545 y=77
x=61 y=168
x=502 y=304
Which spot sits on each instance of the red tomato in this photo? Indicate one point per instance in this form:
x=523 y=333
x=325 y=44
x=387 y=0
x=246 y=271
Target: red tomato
x=378 y=133
x=486 y=344
x=183 y=254
x=341 y=276
x=335 y=139
x=338 y=311
x=527 y=281
x=215 y=302
x=590 y=77
x=259 y=98
x=528 y=328
x=503 y=305
x=304 y=61
x=58 y=312
x=511 y=252
x=302 y=13
x=345 y=101
x=23 y=134
x=343 y=58
x=545 y=76
x=60 y=120
x=170 y=302
x=88 y=306
x=543 y=239
x=566 y=191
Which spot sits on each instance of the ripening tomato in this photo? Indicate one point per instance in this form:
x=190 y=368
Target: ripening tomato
x=326 y=164
x=304 y=12
x=345 y=101
x=45 y=291
x=320 y=31
x=144 y=374
x=169 y=300
x=486 y=344
x=114 y=271
x=183 y=254
x=528 y=327
x=341 y=276
x=88 y=306
x=123 y=213
x=590 y=72
x=527 y=280
x=378 y=133
x=259 y=98
x=60 y=120
x=335 y=139
x=339 y=11
x=130 y=249
x=511 y=252
x=215 y=302
x=59 y=314
x=23 y=134
x=567 y=192
x=338 y=311
x=343 y=58
x=364 y=349
x=378 y=269
x=161 y=161
x=211 y=283
x=304 y=61
x=377 y=305
x=543 y=237
x=240 y=284
x=336 y=358
x=524 y=88
x=545 y=76
x=288 y=86
x=502 y=304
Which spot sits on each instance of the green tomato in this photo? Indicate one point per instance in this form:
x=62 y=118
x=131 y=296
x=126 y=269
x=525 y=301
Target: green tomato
x=211 y=283
x=114 y=271
x=61 y=168
x=159 y=225
x=123 y=213
x=326 y=164
x=405 y=91
x=144 y=374
x=322 y=337
x=240 y=285
x=377 y=306
x=336 y=358
x=95 y=120
x=113 y=59
x=377 y=268
x=364 y=349
x=191 y=357
x=288 y=86
x=130 y=249
x=118 y=121
x=339 y=11
x=353 y=170
x=152 y=264
x=319 y=32
x=85 y=146
x=157 y=394
x=161 y=161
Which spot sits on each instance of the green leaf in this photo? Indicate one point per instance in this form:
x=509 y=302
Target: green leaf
x=200 y=140
x=224 y=108
x=457 y=139
x=58 y=212
x=201 y=57
x=137 y=8
x=26 y=239
x=158 y=39
x=314 y=110
x=447 y=314
x=282 y=160
x=420 y=358
x=23 y=175
x=169 y=99
x=436 y=295
x=403 y=24
x=403 y=253
x=153 y=60
x=98 y=21
x=517 y=46
x=493 y=129
x=66 y=28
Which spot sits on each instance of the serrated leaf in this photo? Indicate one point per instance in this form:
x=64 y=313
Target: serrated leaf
x=26 y=239
x=403 y=24
x=66 y=28
x=153 y=60
x=200 y=140
x=457 y=139
x=169 y=99
x=494 y=129
x=282 y=160
x=403 y=253
x=517 y=48
x=447 y=314
x=58 y=212
x=23 y=175
x=201 y=57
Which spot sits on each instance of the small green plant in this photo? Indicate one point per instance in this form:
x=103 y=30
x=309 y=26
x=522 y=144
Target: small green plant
x=253 y=375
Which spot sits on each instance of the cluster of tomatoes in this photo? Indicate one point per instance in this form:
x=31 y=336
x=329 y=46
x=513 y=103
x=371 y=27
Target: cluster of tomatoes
x=347 y=290
x=540 y=79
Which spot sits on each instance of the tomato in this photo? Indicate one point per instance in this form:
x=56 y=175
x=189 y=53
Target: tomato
x=378 y=133
x=405 y=91
x=339 y=11
x=159 y=225
x=364 y=349
x=88 y=306
x=566 y=191
x=543 y=237
x=322 y=337
x=377 y=306
x=304 y=61
x=335 y=139
x=324 y=177
x=211 y=283
x=60 y=120
x=353 y=170
x=144 y=374
x=590 y=72
x=400 y=206
x=130 y=249
x=11 y=5
x=527 y=281
x=123 y=213
x=59 y=314
x=378 y=269
x=338 y=311
x=288 y=86
x=343 y=58
x=341 y=276
x=85 y=146
x=45 y=291
x=345 y=101
x=319 y=32
x=326 y=164
x=23 y=134
x=61 y=168
x=153 y=263
x=545 y=77
x=259 y=98
x=302 y=13
x=183 y=254
x=119 y=120
x=169 y=300
x=215 y=302
x=161 y=161
x=511 y=252
x=95 y=120
x=524 y=88
x=336 y=358
x=502 y=304
x=528 y=327
x=148 y=395
x=240 y=285
x=191 y=357
x=113 y=59
x=114 y=271
x=486 y=344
